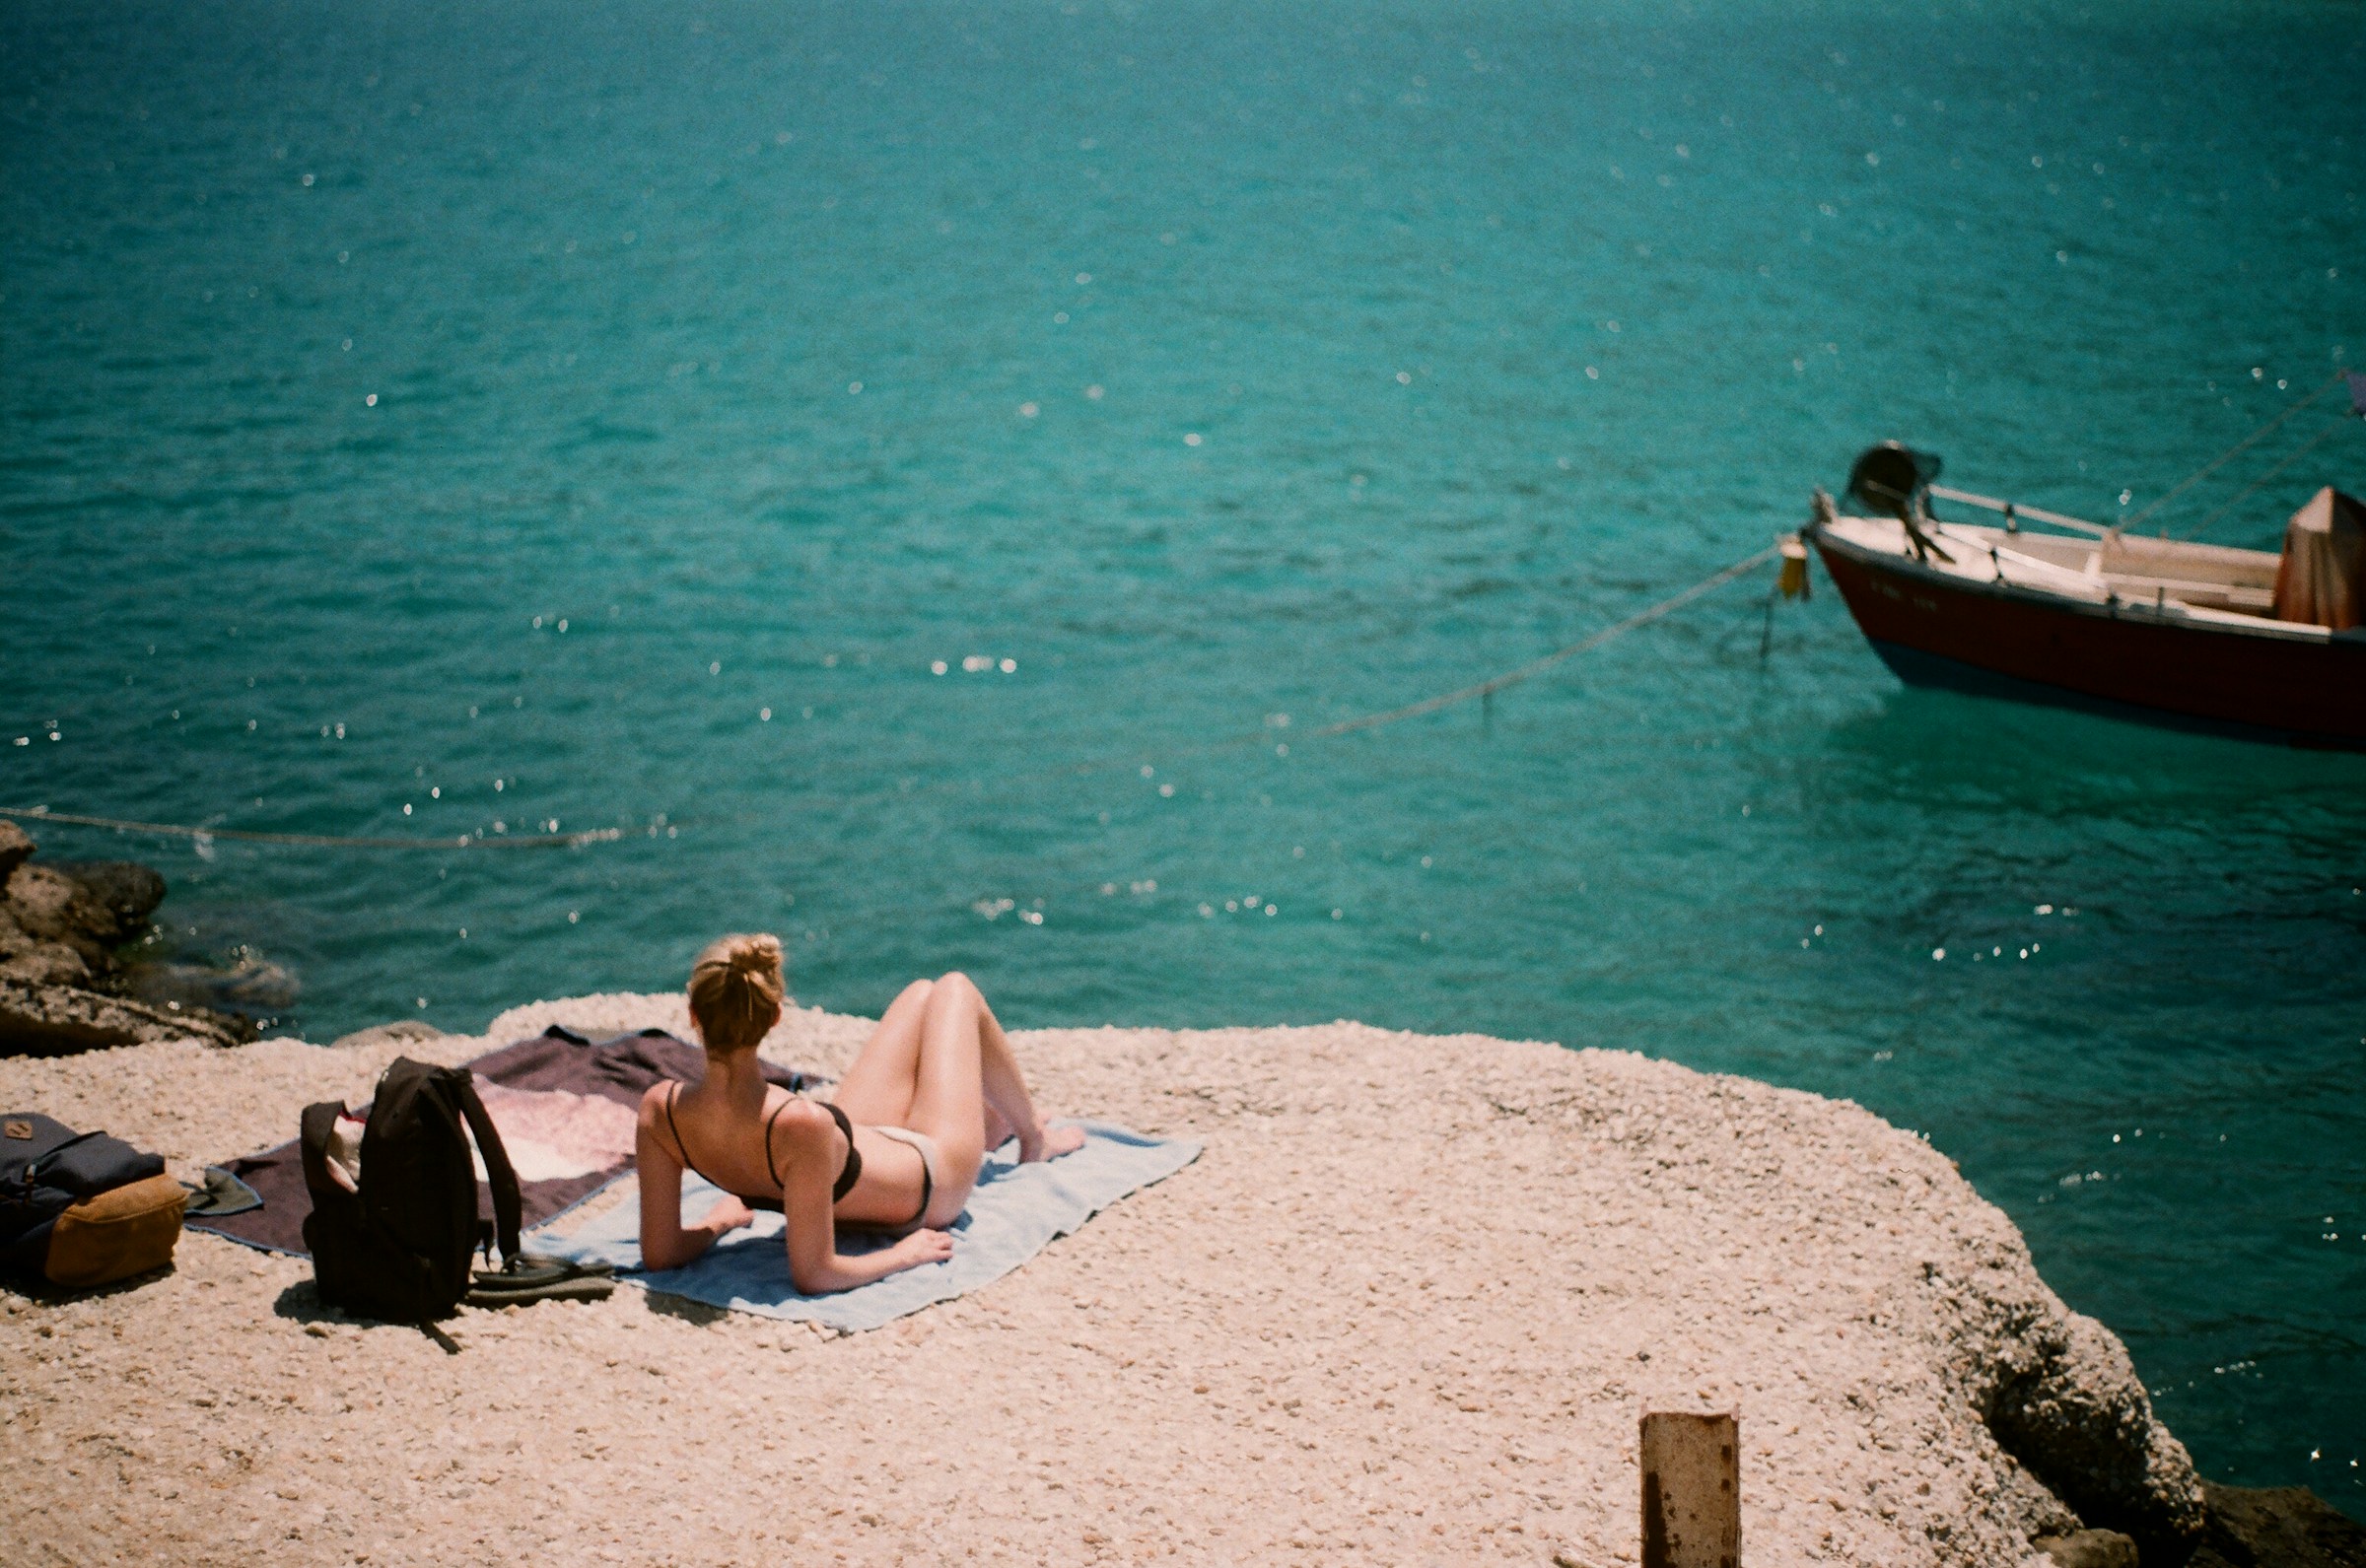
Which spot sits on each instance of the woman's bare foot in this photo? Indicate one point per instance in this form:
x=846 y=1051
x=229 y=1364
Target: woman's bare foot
x=1049 y=1142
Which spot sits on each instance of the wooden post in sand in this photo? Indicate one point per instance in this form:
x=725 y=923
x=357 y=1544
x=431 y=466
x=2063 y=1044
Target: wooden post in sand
x=1691 y=1490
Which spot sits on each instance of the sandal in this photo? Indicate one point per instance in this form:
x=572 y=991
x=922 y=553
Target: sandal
x=529 y=1276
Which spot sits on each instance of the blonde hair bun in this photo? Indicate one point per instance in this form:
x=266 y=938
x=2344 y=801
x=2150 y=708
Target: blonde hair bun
x=736 y=990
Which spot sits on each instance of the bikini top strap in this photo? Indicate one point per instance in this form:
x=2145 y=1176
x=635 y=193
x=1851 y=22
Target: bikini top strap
x=673 y=1091
x=771 y=1169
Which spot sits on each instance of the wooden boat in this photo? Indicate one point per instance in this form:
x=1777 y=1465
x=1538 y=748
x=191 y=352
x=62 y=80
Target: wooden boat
x=2246 y=641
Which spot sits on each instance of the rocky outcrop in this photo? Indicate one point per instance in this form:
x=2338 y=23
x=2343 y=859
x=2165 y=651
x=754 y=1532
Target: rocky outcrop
x=127 y=891
x=16 y=847
x=2090 y=1548
x=2277 y=1526
x=402 y=1032
x=61 y=924
x=1405 y=1308
x=249 y=985
x=2071 y=1408
x=2057 y=1391
x=56 y=1020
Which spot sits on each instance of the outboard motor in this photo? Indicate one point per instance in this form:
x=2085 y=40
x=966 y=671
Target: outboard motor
x=1890 y=475
x=1896 y=479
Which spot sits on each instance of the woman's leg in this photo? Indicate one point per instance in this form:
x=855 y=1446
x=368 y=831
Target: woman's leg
x=1006 y=1090
x=949 y=1101
x=876 y=1090
x=965 y=1060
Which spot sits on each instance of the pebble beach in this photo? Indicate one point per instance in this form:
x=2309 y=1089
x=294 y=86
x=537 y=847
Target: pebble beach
x=1406 y=1307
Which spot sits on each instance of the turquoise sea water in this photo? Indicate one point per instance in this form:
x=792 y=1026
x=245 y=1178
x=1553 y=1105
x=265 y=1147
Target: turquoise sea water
x=464 y=418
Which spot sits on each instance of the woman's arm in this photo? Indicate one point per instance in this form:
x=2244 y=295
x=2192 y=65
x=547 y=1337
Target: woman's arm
x=665 y=1243
x=808 y=1145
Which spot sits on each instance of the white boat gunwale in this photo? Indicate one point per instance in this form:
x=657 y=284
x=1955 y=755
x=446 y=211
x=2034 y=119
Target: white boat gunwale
x=1880 y=544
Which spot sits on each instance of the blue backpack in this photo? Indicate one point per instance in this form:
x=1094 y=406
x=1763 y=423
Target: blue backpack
x=46 y=1167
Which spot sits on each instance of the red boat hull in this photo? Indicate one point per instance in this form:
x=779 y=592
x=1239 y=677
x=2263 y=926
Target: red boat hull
x=1934 y=631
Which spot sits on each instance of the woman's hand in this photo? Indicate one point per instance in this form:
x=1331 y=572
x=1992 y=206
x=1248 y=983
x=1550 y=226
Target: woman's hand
x=844 y=1271
x=923 y=1247
x=727 y=1215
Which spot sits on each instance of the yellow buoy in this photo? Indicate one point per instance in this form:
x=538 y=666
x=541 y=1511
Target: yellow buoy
x=1793 y=581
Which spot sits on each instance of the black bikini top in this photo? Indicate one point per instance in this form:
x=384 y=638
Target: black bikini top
x=847 y=1174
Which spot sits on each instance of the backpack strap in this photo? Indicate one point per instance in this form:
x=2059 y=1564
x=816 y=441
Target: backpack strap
x=501 y=1176
x=313 y=1141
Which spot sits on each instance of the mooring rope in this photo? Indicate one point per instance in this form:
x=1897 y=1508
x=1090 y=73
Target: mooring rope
x=2246 y=491
x=1427 y=705
x=320 y=840
x=1536 y=668
x=555 y=841
x=2228 y=456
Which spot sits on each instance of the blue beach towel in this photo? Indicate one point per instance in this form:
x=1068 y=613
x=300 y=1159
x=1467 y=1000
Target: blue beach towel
x=1013 y=1214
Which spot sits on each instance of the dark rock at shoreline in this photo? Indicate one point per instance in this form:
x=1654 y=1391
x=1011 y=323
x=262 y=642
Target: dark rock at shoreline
x=250 y=985
x=50 y=908
x=60 y=991
x=2276 y=1527
x=58 y=1020
x=126 y=890
x=16 y=847
x=2089 y=1548
x=402 y=1031
x=2067 y=1403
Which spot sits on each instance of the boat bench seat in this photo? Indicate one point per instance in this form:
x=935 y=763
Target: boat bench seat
x=2210 y=596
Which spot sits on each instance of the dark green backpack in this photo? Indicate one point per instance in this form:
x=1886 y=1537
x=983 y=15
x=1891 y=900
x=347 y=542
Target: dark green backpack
x=400 y=1246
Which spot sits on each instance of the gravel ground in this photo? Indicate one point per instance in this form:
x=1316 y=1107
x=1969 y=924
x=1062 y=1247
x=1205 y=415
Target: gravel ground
x=1407 y=1308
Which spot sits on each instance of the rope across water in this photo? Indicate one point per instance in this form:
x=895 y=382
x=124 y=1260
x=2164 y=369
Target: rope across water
x=2227 y=456
x=1536 y=668
x=561 y=841
x=319 y=841
x=2247 y=491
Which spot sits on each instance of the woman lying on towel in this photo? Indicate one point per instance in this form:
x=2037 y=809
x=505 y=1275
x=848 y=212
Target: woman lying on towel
x=899 y=1149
